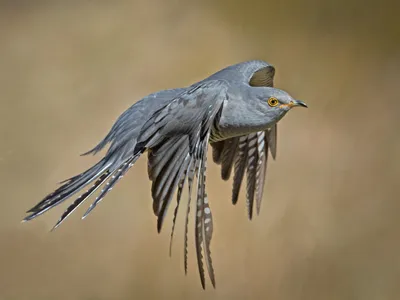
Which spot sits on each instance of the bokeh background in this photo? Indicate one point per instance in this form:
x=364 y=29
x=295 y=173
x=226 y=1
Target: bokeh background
x=329 y=226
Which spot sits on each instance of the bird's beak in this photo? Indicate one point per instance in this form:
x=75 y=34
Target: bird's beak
x=294 y=103
x=297 y=103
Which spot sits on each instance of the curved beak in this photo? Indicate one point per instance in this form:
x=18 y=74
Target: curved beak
x=298 y=103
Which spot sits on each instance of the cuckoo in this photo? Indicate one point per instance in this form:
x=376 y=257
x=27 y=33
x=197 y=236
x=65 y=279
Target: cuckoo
x=235 y=110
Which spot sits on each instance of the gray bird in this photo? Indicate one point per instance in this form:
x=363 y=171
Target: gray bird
x=236 y=110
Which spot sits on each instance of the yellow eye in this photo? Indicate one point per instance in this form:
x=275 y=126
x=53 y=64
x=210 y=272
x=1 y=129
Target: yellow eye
x=273 y=101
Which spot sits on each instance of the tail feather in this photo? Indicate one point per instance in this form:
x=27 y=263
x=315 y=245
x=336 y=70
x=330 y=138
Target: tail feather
x=107 y=139
x=100 y=172
x=70 y=187
x=116 y=176
x=76 y=177
x=82 y=198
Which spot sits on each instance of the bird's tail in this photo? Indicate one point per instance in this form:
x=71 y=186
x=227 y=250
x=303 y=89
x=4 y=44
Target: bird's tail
x=99 y=173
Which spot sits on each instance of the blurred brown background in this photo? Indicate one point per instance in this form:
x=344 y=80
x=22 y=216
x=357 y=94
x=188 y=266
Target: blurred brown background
x=329 y=226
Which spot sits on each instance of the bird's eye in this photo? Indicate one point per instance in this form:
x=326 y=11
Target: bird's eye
x=273 y=101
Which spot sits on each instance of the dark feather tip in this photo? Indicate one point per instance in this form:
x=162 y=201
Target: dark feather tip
x=87 y=212
x=54 y=227
x=28 y=218
x=159 y=224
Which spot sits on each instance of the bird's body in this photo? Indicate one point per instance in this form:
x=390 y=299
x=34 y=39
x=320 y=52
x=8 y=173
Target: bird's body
x=235 y=110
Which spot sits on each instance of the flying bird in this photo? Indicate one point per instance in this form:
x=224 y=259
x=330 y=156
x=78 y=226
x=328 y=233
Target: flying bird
x=235 y=110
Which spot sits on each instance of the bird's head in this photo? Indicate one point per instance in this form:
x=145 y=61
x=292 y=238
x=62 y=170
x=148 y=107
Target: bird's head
x=275 y=103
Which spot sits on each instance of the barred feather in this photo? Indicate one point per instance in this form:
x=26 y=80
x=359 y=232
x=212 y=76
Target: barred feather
x=198 y=225
x=123 y=168
x=252 y=160
x=272 y=138
x=262 y=151
x=181 y=185
x=207 y=220
x=191 y=175
x=82 y=198
x=70 y=187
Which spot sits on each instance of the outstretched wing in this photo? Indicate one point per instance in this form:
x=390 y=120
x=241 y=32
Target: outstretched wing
x=248 y=155
x=120 y=156
x=177 y=138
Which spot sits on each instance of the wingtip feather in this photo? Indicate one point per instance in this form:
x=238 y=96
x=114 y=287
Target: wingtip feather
x=91 y=207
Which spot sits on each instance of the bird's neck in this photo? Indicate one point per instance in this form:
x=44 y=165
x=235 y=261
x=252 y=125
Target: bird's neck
x=239 y=117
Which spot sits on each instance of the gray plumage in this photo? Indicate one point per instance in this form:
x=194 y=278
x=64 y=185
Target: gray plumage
x=236 y=110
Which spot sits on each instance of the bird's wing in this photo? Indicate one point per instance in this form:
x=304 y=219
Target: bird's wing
x=248 y=154
x=174 y=127
x=119 y=158
x=263 y=76
x=253 y=72
x=177 y=138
